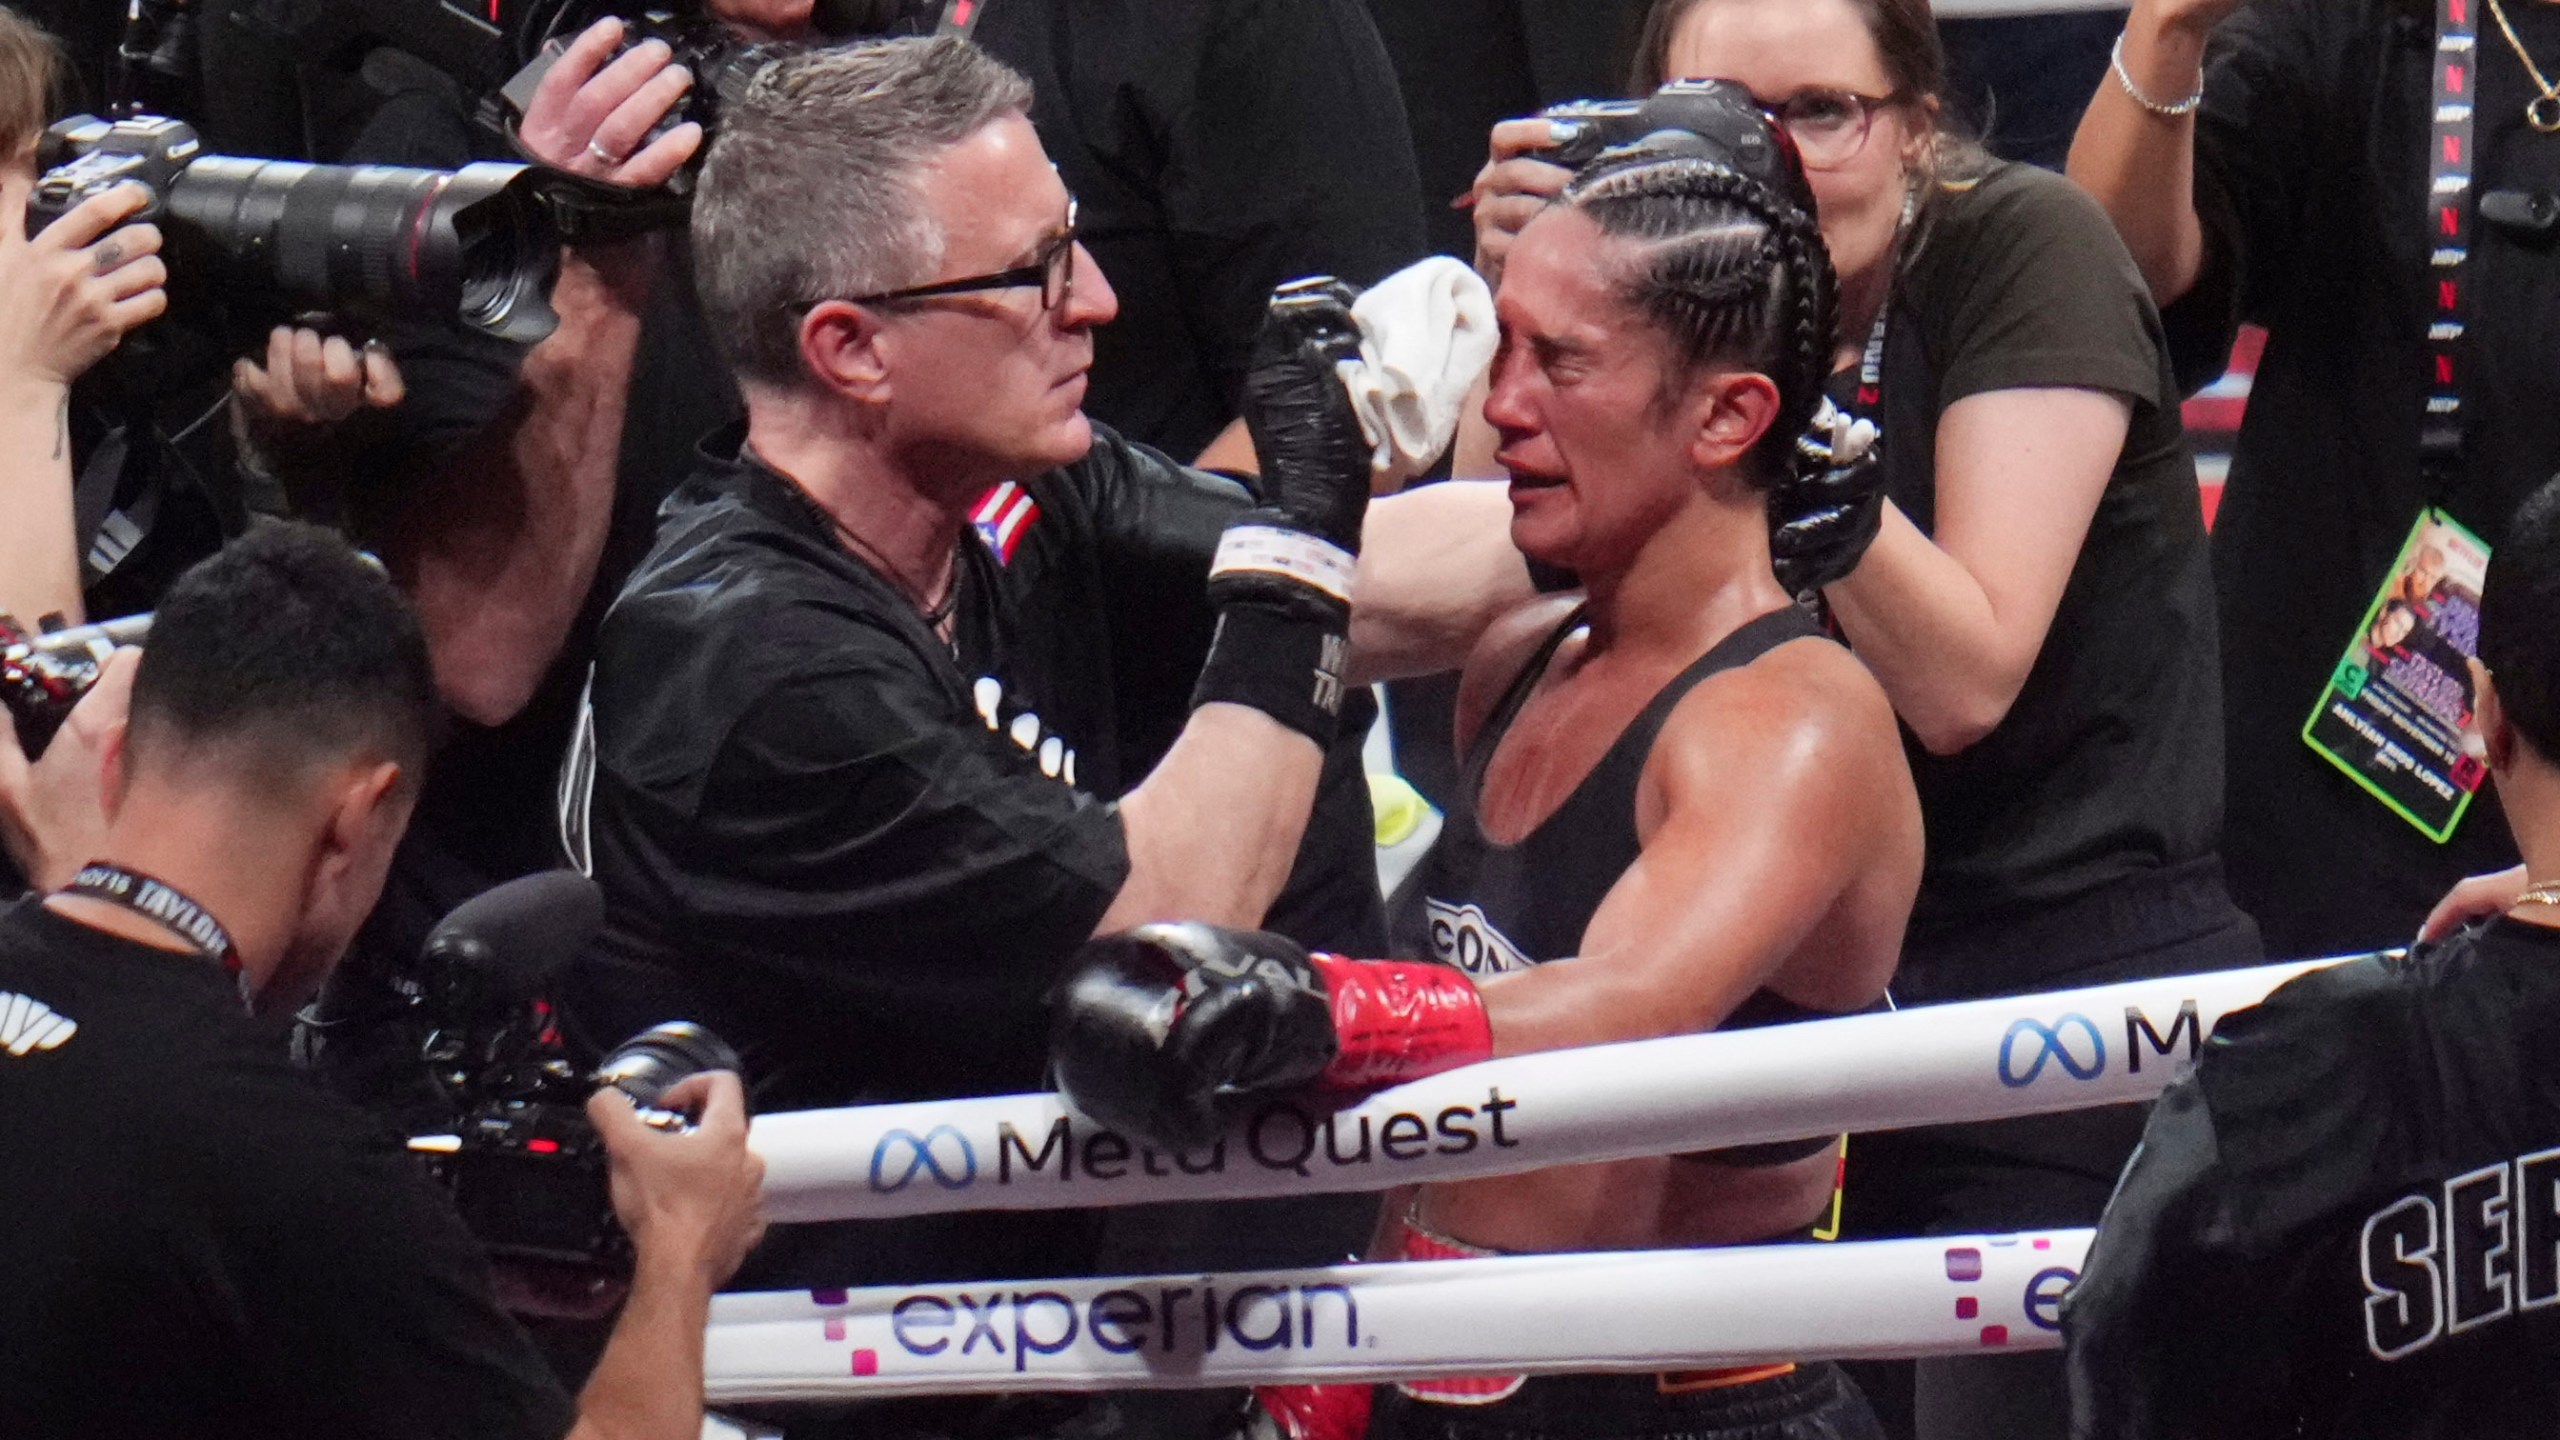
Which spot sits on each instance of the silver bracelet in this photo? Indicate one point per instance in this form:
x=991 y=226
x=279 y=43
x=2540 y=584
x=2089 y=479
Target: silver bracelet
x=2165 y=112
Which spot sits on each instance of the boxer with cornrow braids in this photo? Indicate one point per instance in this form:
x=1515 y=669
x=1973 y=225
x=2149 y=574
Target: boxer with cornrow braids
x=1683 y=807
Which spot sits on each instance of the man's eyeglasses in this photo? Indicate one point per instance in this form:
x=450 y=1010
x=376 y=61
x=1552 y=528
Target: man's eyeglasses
x=1054 y=272
x=1829 y=126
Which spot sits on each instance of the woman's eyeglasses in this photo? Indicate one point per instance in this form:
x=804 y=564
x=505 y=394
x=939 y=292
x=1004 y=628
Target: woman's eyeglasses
x=1054 y=272
x=1829 y=126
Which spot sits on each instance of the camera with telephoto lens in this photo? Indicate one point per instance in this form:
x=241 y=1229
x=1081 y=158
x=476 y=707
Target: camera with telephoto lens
x=1739 y=134
x=43 y=673
x=526 y=1168
x=496 y=51
x=476 y=245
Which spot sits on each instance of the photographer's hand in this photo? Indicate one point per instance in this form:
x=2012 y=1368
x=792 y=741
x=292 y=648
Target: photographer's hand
x=688 y=1194
x=67 y=297
x=593 y=111
x=690 y=1200
x=53 y=810
x=285 y=414
x=1510 y=190
x=312 y=380
x=70 y=294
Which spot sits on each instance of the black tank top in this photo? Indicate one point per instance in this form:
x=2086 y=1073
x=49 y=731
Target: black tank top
x=1490 y=909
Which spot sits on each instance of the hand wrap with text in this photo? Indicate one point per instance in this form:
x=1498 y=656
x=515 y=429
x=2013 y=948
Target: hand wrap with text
x=1281 y=578
x=1159 y=1030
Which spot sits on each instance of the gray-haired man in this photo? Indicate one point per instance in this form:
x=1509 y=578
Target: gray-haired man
x=858 y=780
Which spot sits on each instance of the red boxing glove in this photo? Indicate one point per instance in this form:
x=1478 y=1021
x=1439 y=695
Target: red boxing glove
x=1316 y=1412
x=1399 y=1020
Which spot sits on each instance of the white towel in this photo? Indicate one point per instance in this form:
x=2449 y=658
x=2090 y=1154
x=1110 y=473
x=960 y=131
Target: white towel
x=1426 y=333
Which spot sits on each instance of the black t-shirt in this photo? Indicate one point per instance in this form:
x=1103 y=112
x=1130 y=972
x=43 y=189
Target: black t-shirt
x=1217 y=148
x=1214 y=150
x=864 y=860
x=2346 y=1221
x=2311 y=178
x=199 y=1243
x=2109 y=763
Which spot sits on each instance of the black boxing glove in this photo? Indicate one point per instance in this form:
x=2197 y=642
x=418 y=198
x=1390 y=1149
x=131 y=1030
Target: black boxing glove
x=1281 y=579
x=1158 y=1028
x=1823 y=517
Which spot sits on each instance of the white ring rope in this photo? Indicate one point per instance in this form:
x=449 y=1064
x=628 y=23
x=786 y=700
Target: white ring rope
x=1531 y=1314
x=1942 y=1064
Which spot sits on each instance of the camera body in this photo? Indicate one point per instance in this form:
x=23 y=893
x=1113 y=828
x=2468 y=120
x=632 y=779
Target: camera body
x=525 y=1167
x=487 y=48
x=44 y=673
x=86 y=156
x=1737 y=131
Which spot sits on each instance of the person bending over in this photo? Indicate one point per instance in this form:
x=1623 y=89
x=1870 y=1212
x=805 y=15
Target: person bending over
x=1689 y=810
x=2343 y=1221
x=198 y=1242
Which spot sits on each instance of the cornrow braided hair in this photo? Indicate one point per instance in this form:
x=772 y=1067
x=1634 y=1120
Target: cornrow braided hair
x=1733 y=272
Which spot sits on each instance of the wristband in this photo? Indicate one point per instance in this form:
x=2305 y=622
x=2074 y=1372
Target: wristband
x=1399 y=1020
x=1290 y=554
x=1284 y=663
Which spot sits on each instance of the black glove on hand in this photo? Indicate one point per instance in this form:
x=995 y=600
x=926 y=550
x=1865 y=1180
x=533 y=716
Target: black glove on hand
x=1153 y=1024
x=1315 y=462
x=1281 y=580
x=1823 y=517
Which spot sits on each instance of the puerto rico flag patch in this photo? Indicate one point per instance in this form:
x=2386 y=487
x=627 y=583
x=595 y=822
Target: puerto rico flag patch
x=1003 y=517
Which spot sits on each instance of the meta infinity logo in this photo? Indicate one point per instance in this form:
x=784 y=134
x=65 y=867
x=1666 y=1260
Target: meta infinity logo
x=2051 y=1046
x=930 y=1153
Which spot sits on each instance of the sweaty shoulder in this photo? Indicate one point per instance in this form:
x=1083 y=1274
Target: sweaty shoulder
x=1806 y=710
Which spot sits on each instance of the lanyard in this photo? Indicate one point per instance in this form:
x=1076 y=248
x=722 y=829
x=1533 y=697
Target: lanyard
x=153 y=900
x=2449 y=238
x=1869 y=402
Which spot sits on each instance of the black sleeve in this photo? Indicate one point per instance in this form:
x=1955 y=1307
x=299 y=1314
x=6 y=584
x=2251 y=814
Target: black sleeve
x=849 y=812
x=1291 y=158
x=369 y=1298
x=2252 y=133
x=2135 y=1358
x=2035 y=288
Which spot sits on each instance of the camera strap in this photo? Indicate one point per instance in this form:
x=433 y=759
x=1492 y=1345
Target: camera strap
x=161 y=903
x=2449 y=223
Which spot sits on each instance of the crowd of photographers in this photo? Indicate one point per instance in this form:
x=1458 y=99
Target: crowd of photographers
x=894 y=511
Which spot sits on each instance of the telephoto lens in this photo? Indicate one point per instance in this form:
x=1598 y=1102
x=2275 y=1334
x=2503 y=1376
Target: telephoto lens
x=651 y=1063
x=471 y=245
x=476 y=246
